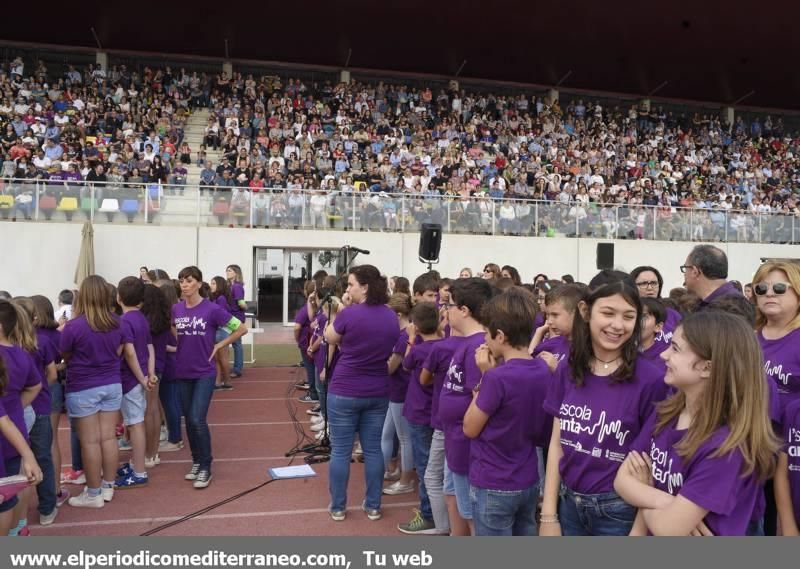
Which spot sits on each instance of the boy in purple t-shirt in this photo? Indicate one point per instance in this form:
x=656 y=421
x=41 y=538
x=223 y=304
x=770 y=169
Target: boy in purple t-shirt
x=417 y=409
x=560 y=306
x=139 y=355
x=468 y=297
x=654 y=315
x=506 y=421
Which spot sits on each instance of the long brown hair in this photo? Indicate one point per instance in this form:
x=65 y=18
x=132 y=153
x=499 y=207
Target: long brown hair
x=45 y=315
x=792 y=271
x=24 y=334
x=92 y=302
x=223 y=289
x=736 y=395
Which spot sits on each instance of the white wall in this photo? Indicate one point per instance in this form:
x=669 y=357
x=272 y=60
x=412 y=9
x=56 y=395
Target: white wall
x=40 y=258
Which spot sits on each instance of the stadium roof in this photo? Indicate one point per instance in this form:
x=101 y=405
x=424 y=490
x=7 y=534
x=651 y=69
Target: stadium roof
x=709 y=50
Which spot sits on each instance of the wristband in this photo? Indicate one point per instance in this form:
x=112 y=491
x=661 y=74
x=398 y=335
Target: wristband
x=548 y=519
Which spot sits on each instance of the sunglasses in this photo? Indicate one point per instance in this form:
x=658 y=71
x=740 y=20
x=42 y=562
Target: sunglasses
x=778 y=288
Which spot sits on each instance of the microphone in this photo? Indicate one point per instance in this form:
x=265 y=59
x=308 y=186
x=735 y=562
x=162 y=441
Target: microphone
x=357 y=250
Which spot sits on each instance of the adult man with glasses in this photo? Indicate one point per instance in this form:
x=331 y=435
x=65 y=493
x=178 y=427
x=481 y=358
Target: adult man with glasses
x=705 y=274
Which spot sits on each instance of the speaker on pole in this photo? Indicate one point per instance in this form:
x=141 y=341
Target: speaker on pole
x=605 y=256
x=430 y=242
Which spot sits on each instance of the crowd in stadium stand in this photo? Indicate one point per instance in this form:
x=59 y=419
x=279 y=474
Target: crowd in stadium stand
x=486 y=152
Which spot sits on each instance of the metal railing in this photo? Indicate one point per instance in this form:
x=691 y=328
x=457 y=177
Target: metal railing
x=364 y=210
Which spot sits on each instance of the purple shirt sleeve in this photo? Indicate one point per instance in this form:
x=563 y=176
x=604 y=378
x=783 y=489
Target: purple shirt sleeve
x=710 y=475
x=491 y=394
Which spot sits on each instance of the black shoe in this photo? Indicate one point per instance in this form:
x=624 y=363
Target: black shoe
x=307 y=399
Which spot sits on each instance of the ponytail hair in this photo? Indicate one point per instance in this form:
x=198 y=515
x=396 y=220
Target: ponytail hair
x=370 y=276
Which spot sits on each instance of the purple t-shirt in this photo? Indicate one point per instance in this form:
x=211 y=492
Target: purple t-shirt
x=419 y=398
x=222 y=302
x=318 y=332
x=94 y=357
x=599 y=421
x=302 y=319
x=46 y=354
x=668 y=330
x=557 y=345
x=54 y=336
x=369 y=332
x=237 y=294
x=438 y=362
x=782 y=365
x=22 y=373
x=653 y=355
x=197 y=328
x=503 y=456
x=169 y=362
x=538 y=322
x=791 y=438
x=160 y=342
x=139 y=333
x=714 y=483
x=463 y=375
x=2 y=441
x=398 y=381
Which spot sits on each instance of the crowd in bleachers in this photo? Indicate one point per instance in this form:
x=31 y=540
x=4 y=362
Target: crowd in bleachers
x=486 y=154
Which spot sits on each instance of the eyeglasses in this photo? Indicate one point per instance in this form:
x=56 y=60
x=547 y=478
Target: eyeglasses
x=684 y=267
x=778 y=288
x=448 y=305
x=647 y=284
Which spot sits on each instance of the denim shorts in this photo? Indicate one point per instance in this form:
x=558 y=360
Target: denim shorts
x=56 y=397
x=30 y=418
x=133 y=406
x=12 y=466
x=459 y=483
x=221 y=334
x=105 y=398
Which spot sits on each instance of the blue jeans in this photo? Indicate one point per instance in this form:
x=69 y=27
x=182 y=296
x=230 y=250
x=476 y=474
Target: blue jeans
x=322 y=394
x=311 y=370
x=594 y=514
x=41 y=442
x=238 y=357
x=755 y=528
x=170 y=396
x=421 y=438
x=504 y=512
x=346 y=417
x=195 y=397
x=395 y=423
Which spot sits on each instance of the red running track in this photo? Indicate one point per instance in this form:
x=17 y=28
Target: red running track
x=251 y=429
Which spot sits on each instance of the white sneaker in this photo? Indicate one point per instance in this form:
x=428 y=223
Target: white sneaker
x=317 y=419
x=83 y=500
x=49 y=518
x=163 y=435
x=170 y=447
x=192 y=474
x=317 y=427
x=203 y=479
x=107 y=494
x=398 y=488
x=320 y=435
x=152 y=462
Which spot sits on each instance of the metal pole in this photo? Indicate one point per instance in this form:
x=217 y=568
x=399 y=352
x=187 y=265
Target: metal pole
x=402 y=214
x=36 y=215
x=494 y=218
x=536 y=218
x=198 y=205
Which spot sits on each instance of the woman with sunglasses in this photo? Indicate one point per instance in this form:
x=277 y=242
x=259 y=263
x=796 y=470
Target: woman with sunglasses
x=491 y=271
x=776 y=286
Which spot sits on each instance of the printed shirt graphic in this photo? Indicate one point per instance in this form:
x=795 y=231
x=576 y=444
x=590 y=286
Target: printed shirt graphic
x=673 y=319
x=438 y=363
x=599 y=421
x=196 y=328
x=462 y=376
x=782 y=365
x=791 y=436
x=714 y=483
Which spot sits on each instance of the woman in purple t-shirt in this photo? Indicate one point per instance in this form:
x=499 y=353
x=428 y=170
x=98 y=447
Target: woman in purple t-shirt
x=649 y=282
x=236 y=309
x=599 y=398
x=358 y=394
x=220 y=294
x=195 y=322
x=698 y=464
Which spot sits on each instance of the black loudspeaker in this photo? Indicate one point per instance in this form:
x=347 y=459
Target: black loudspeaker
x=605 y=256
x=430 y=241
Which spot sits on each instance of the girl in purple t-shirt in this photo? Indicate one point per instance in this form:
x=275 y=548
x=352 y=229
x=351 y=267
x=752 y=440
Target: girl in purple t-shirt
x=195 y=322
x=787 y=476
x=506 y=421
x=599 y=398
x=236 y=309
x=220 y=294
x=698 y=464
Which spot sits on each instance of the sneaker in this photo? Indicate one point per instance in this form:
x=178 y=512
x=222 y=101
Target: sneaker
x=162 y=437
x=152 y=462
x=107 y=492
x=307 y=399
x=130 y=482
x=70 y=476
x=399 y=488
x=392 y=476
x=372 y=515
x=24 y=532
x=124 y=445
x=204 y=478
x=314 y=410
x=317 y=419
x=321 y=435
x=120 y=430
x=338 y=515
x=317 y=427
x=192 y=474
x=83 y=500
x=236 y=375
x=418 y=525
x=62 y=497
x=302 y=385
x=46 y=520
x=124 y=470
x=170 y=447
x=226 y=387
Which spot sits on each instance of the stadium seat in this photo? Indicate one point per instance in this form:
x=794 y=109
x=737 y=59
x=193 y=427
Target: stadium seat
x=220 y=209
x=69 y=206
x=110 y=206
x=88 y=205
x=130 y=208
x=47 y=205
x=6 y=204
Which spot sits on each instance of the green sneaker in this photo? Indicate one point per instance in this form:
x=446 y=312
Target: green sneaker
x=418 y=526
